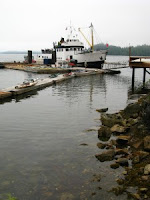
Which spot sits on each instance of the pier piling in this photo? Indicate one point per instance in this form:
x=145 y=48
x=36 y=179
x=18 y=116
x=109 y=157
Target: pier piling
x=29 y=57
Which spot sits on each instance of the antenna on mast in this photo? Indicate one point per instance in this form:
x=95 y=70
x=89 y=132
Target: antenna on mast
x=92 y=37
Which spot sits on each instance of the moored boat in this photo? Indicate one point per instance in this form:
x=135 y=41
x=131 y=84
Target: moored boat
x=71 y=52
x=27 y=83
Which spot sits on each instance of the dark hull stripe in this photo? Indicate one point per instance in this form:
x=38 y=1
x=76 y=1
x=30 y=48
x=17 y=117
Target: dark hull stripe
x=96 y=64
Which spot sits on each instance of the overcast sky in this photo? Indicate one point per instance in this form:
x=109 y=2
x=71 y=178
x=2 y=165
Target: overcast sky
x=36 y=24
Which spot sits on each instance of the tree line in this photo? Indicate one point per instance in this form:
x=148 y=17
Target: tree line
x=140 y=50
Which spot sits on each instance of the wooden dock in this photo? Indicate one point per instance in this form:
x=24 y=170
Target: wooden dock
x=136 y=62
x=42 y=83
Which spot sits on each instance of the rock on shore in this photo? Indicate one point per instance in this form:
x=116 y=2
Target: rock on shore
x=131 y=149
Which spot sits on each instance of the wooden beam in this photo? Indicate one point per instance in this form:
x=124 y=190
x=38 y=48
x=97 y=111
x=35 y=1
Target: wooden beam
x=147 y=72
x=139 y=65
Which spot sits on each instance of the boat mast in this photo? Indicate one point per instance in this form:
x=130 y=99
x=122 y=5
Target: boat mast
x=92 y=46
x=92 y=37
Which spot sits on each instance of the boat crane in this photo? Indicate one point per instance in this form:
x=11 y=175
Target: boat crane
x=92 y=37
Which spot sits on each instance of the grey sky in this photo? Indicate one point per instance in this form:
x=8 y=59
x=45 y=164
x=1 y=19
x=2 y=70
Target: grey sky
x=36 y=24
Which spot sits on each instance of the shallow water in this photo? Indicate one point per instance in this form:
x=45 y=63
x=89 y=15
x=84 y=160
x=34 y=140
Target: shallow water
x=41 y=135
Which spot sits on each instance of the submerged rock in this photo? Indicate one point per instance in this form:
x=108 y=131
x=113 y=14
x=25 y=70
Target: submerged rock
x=118 y=190
x=122 y=161
x=135 y=196
x=101 y=145
x=67 y=196
x=114 y=165
x=106 y=156
x=83 y=144
x=96 y=178
x=102 y=110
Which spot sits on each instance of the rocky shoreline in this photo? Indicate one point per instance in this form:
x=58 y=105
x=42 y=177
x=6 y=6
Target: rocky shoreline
x=130 y=149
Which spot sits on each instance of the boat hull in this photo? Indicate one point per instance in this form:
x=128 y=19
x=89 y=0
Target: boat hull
x=91 y=59
x=94 y=64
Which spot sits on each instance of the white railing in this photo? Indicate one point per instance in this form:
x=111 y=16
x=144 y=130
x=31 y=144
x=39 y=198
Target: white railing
x=115 y=65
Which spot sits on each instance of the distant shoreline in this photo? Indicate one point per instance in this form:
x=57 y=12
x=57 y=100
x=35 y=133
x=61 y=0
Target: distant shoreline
x=19 y=52
x=140 y=50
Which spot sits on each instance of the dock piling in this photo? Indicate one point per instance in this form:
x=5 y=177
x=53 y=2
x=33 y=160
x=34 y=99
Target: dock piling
x=144 y=77
x=139 y=62
x=29 y=57
x=133 y=75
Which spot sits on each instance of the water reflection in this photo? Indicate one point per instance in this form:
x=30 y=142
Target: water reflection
x=73 y=88
x=20 y=97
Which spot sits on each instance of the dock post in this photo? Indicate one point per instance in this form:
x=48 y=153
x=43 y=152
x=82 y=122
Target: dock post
x=29 y=57
x=133 y=75
x=144 y=77
x=129 y=53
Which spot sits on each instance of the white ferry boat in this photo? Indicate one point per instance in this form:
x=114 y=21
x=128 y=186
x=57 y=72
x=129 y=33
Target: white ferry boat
x=72 y=52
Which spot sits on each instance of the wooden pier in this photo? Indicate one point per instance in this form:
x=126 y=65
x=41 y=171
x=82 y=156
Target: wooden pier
x=42 y=83
x=136 y=62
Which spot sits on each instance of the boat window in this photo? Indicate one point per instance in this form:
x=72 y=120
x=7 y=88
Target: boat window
x=74 y=49
x=67 y=49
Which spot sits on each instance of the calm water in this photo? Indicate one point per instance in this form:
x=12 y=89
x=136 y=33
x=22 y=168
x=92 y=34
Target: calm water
x=41 y=135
